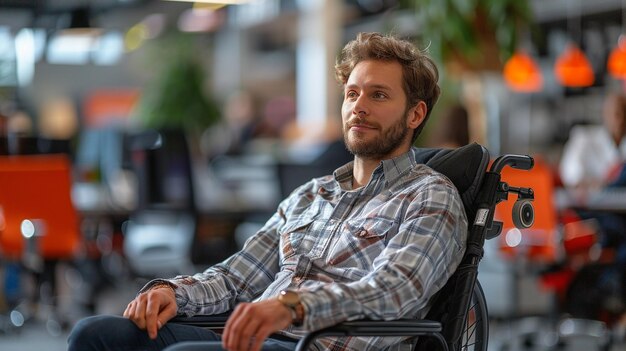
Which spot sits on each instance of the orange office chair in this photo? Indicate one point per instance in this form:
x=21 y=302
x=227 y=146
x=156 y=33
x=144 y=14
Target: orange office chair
x=38 y=224
x=35 y=203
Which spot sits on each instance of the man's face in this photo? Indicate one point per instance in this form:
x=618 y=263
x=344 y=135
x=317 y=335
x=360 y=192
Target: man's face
x=374 y=111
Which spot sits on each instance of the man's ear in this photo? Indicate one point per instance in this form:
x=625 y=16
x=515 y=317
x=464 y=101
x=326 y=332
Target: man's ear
x=417 y=114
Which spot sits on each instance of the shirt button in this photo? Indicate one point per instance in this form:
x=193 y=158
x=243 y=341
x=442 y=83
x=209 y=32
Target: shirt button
x=363 y=233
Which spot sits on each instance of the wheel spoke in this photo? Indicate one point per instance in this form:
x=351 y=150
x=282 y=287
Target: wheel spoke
x=476 y=330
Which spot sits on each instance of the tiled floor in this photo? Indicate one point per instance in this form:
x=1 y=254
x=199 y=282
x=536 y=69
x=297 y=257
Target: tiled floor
x=36 y=337
x=535 y=334
x=33 y=337
x=40 y=333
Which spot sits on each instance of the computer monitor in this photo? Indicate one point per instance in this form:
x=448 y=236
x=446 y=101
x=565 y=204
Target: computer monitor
x=164 y=173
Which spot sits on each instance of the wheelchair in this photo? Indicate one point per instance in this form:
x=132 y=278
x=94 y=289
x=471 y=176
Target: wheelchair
x=458 y=319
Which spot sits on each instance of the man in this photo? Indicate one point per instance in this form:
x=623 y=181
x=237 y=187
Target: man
x=376 y=239
x=593 y=151
x=593 y=160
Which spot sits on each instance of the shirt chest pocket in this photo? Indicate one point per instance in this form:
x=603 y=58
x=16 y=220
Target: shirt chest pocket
x=296 y=237
x=361 y=241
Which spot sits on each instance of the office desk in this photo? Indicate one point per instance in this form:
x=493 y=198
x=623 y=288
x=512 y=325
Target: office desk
x=611 y=200
x=102 y=229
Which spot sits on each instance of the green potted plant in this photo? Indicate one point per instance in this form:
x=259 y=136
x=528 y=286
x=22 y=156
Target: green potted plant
x=471 y=34
x=176 y=96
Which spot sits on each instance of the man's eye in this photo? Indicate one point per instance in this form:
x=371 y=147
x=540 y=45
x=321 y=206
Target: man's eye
x=351 y=94
x=379 y=95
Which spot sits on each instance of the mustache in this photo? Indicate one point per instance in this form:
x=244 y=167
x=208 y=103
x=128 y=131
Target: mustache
x=360 y=121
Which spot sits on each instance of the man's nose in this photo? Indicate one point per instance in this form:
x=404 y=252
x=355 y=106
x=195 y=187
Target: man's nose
x=360 y=107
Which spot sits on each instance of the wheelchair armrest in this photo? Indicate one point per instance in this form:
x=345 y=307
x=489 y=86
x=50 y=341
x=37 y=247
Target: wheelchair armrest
x=401 y=327
x=216 y=321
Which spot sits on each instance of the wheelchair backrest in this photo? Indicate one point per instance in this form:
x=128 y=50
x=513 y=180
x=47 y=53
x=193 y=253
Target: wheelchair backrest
x=466 y=167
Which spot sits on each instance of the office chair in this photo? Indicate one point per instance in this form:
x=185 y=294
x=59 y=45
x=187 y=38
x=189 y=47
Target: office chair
x=39 y=226
x=458 y=319
x=160 y=232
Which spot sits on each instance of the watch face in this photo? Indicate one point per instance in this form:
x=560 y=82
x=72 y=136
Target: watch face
x=289 y=298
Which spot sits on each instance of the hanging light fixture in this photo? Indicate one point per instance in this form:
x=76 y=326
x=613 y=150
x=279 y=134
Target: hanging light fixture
x=616 y=64
x=79 y=23
x=522 y=74
x=572 y=68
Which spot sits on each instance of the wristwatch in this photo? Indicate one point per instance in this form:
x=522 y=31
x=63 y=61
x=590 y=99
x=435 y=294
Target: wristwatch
x=291 y=300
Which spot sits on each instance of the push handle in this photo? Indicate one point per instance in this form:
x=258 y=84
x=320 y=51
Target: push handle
x=524 y=162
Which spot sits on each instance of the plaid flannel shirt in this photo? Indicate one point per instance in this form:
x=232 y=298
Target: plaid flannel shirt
x=380 y=252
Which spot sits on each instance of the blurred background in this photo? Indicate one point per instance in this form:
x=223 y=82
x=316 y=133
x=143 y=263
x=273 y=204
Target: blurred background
x=144 y=138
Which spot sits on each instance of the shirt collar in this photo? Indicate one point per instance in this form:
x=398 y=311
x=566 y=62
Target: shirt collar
x=391 y=169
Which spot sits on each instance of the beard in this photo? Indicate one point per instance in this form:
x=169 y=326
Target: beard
x=379 y=147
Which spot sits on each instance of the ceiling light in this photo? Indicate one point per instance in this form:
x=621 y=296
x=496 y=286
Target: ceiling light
x=200 y=20
x=572 y=68
x=80 y=24
x=617 y=60
x=522 y=74
x=616 y=64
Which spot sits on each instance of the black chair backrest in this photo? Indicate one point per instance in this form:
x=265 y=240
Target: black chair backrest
x=465 y=167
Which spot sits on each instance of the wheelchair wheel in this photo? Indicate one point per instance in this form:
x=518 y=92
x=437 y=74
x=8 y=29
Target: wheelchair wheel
x=476 y=332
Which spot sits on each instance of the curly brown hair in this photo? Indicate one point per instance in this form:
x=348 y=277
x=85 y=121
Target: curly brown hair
x=419 y=72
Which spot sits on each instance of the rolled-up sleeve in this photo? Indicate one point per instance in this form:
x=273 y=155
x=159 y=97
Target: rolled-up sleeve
x=241 y=277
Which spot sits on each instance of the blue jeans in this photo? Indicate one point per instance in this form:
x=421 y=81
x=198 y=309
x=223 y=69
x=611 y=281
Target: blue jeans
x=103 y=333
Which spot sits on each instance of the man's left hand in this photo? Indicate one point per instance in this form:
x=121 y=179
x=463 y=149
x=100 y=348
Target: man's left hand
x=251 y=323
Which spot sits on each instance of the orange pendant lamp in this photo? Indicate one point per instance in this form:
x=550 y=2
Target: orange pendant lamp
x=572 y=68
x=616 y=64
x=522 y=74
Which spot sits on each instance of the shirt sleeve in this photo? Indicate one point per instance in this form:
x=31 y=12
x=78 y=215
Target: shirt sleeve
x=415 y=264
x=241 y=277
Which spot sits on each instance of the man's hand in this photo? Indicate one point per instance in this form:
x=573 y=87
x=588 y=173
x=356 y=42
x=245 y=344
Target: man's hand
x=152 y=309
x=251 y=323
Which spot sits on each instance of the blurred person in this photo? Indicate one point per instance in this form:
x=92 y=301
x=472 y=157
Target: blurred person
x=452 y=130
x=592 y=152
x=375 y=239
x=235 y=130
x=241 y=117
x=592 y=159
x=278 y=112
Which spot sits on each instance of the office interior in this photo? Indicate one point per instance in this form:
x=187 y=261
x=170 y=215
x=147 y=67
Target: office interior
x=146 y=138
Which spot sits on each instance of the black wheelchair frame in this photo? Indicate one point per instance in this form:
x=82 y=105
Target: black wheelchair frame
x=459 y=318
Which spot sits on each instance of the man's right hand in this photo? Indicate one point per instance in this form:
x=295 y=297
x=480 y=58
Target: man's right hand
x=151 y=309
